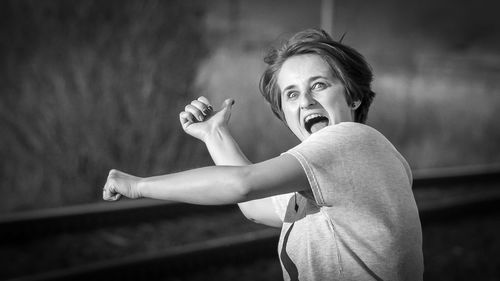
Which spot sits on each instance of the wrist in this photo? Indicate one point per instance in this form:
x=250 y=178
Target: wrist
x=216 y=135
x=140 y=187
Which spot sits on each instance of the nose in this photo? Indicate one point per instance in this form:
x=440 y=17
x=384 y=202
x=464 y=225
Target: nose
x=306 y=100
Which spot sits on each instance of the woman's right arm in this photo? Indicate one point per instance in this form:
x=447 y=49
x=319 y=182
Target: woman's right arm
x=201 y=121
x=225 y=151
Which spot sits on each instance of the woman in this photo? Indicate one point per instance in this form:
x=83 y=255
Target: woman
x=342 y=197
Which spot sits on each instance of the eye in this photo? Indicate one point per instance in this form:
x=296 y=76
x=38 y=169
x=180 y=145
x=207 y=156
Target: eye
x=318 y=86
x=292 y=94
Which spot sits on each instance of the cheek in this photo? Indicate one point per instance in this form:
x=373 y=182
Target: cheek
x=291 y=118
x=337 y=99
x=287 y=111
x=288 y=119
x=339 y=110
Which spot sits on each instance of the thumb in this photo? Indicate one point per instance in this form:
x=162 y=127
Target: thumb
x=227 y=105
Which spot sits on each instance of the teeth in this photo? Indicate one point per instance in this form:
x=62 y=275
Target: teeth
x=309 y=117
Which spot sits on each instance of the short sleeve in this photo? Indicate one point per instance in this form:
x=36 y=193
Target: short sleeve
x=321 y=160
x=343 y=161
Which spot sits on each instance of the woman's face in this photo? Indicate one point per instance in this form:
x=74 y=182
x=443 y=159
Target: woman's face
x=311 y=98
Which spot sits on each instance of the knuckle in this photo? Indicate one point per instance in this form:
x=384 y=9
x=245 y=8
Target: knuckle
x=197 y=104
x=204 y=100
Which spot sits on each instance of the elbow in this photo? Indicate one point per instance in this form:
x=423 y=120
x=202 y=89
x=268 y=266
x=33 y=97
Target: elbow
x=242 y=185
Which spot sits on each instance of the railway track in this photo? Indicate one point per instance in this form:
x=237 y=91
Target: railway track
x=36 y=224
x=234 y=249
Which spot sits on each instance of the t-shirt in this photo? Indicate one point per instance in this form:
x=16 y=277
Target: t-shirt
x=359 y=221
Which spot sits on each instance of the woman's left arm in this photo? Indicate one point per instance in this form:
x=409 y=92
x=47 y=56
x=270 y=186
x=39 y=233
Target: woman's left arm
x=216 y=185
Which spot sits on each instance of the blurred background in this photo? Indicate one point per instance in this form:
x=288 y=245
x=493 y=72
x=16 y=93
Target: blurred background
x=86 y=86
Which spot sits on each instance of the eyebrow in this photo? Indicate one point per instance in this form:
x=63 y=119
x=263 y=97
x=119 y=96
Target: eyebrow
x=309 y=81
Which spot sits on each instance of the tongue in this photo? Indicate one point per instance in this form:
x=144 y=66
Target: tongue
x=318 y=125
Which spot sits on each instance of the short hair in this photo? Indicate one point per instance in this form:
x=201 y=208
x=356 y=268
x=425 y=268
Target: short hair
x=347 y=65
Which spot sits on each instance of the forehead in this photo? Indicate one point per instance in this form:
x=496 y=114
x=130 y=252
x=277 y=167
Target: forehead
x=299 y=69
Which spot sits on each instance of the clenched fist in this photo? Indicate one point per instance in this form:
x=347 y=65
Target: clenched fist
x=120 y=184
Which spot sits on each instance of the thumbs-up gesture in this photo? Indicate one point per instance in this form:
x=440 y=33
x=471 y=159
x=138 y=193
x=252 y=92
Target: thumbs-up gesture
x=199 y=118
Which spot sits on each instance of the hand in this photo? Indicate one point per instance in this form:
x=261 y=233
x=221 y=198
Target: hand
x=120 y=183
x=199 y=119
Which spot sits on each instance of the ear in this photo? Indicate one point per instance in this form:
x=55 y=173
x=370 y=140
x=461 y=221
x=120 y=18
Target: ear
x=355 y=104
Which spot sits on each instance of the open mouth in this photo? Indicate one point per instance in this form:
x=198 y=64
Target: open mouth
x=315 y=122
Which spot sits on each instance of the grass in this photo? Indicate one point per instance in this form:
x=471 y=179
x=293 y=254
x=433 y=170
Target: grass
x=90 y=86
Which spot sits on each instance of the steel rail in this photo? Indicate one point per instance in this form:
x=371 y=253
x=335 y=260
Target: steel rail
x=39 y=223
x=238 y=249
x=176 y=261
x=449 y=176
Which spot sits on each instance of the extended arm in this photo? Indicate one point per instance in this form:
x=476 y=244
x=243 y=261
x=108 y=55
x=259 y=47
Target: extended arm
x=214 y=185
